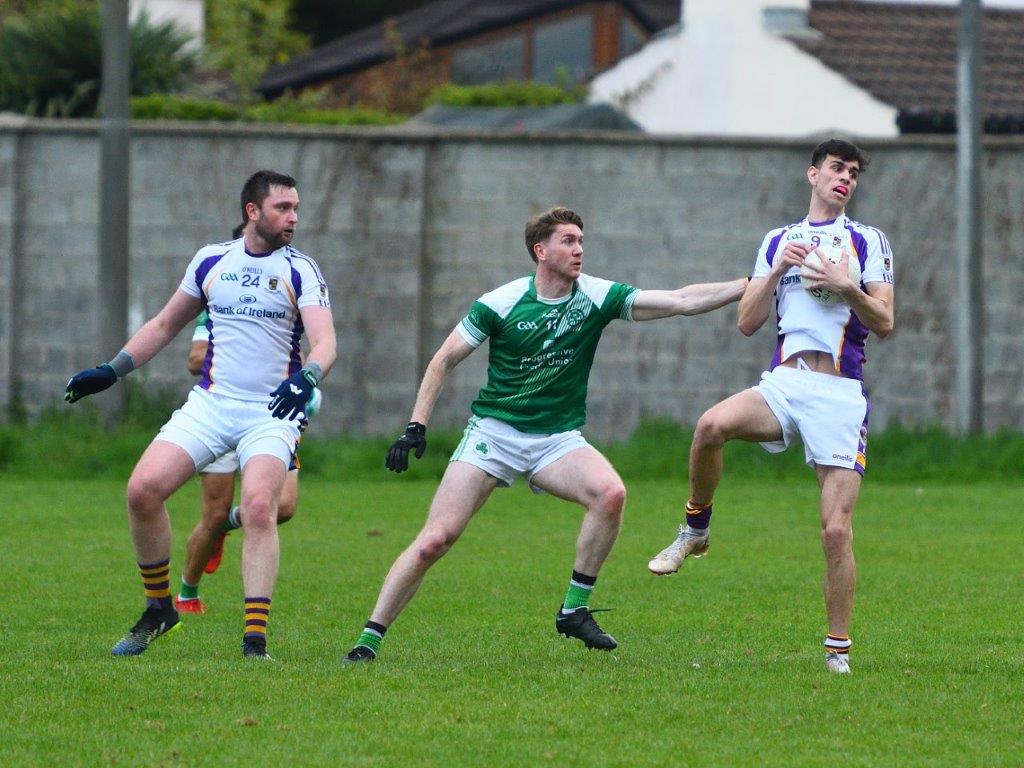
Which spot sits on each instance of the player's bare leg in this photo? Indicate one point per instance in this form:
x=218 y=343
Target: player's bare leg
x=463 y=490
x=744 y=416
x=218 y=491
x=289 y=498
x=162 y=469
x=587 y=478
x=840 y=488
x=262 y=479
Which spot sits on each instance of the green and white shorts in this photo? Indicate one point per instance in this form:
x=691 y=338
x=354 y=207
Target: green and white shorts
x=504 y=452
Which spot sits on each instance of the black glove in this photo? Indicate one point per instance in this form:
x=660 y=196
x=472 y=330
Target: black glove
x=292 y=394
x=398 y=454
x=89 y=382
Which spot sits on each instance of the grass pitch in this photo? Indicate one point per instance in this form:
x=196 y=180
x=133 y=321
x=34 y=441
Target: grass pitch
x=719 y=665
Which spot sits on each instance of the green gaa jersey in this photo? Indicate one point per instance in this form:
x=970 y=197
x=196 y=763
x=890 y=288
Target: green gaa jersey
x=542 y=350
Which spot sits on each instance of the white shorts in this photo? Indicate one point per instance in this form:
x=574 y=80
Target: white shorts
x=504 y=452
x=209 y=425
x=225 y=465
x=829 y=413
x=228 y=464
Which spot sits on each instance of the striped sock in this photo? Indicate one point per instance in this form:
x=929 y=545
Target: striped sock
x=580 y=587
x=837 y=644
x=233 y=522
x=257 y=611
x=156 y=581
x=188 y=591
x=698 y=516
x=371 y=637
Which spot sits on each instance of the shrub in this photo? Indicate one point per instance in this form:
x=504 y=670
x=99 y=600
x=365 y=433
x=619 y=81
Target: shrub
x=509 y=94
x=51 y=59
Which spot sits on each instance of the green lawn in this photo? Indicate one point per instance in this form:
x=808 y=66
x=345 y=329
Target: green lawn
x=718 y=665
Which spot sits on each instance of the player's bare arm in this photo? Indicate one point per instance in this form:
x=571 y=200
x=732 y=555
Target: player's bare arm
x=452 y=352
x=323 y=346
x=756 y=304
x=876 y=308
x=147 y=341
x=158 y=332
x=693 y=299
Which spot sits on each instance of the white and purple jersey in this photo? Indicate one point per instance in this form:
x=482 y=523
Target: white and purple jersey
x=806 y=324
x=254 y=326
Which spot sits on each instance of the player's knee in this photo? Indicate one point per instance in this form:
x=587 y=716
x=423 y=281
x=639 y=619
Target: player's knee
x=836 y=538
x=144 y=495
x=431 y=546
x=612 y=498
x=709 y=430
x=259 y=513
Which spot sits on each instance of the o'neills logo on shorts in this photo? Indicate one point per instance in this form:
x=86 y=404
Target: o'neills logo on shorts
x=842 y=457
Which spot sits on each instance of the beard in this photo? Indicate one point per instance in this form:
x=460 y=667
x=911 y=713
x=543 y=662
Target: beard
x=274 y=239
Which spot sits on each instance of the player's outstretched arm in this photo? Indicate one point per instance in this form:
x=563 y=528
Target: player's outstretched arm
x=452 y=352
x=293 y=394
x=140 y=349
x=689 y=300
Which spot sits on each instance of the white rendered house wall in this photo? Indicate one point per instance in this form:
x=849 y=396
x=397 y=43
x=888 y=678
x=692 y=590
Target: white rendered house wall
x=724 y=73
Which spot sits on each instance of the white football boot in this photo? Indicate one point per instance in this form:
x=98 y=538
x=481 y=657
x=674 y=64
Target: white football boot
x=838 y=663
x=688 y=542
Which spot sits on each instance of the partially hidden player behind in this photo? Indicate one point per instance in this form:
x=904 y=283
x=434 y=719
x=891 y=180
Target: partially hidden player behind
x=261 y=294
x=205 y=546
x=813 y=388
x=543 y=331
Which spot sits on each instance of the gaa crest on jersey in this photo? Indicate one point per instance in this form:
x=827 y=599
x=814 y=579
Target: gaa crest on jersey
x=887 y=263
x=837 y=241
x=272 y=284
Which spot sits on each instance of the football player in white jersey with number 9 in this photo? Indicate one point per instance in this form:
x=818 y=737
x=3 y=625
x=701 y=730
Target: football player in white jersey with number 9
x=814 y=387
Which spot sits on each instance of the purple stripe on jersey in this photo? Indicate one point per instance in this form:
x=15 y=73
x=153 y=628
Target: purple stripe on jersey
x=851 y=355
x=822 y=223
x=773 y=245
x=777 y=357
x=257 y=255
x=204 y=269
x=295 y=358
x=296 y=279
x=861 y=246
x=205 y=380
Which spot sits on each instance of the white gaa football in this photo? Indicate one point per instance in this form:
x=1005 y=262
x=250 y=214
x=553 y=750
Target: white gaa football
x=834 y=254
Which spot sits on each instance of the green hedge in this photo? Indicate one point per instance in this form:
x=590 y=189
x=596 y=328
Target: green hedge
x=171 y=107
x=506 y=95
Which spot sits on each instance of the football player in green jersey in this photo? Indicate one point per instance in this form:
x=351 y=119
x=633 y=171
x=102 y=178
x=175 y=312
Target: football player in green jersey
x=543 y=332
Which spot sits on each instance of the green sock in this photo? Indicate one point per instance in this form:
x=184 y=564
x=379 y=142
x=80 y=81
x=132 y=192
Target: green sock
x=371 y=636
x=188 y=591
x=580 y=587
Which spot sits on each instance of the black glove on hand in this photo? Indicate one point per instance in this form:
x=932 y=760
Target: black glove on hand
x=292 y=394
x=89 y=382
x=398 y=454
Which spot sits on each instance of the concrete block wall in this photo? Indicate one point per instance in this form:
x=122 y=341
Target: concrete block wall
x=410 y=228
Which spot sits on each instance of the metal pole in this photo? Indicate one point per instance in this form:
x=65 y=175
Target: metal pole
x=969 y=318
x=112 y=272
